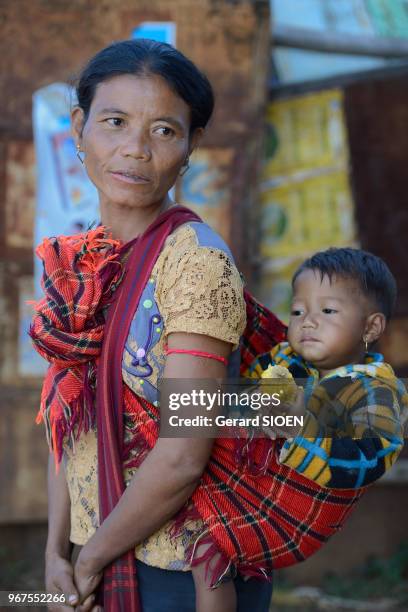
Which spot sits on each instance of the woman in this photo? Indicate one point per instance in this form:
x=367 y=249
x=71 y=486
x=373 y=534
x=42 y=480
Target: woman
x=142 y=109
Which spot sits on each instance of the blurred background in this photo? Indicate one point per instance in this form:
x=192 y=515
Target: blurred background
x=308 y=149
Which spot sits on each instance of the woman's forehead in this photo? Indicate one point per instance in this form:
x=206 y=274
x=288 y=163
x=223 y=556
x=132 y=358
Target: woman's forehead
x=131 y=93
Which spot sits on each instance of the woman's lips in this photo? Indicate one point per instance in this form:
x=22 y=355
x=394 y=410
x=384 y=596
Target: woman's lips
x=129 y=178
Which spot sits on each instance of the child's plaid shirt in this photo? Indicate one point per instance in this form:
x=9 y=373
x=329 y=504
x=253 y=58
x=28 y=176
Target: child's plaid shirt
x=371 y=406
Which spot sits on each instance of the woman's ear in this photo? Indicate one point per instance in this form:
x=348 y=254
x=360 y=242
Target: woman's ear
x=77 y=124
x=195 y=139
x=375 y=326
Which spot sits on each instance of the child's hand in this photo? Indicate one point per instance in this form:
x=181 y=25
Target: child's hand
x=298 y=407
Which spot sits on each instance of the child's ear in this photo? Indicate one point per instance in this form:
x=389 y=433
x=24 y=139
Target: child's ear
x=375 y=326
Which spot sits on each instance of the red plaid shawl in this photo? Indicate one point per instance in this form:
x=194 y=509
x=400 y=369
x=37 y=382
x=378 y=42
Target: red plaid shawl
x=261 y=515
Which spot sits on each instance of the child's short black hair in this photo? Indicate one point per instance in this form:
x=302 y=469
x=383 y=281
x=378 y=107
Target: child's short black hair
x=372 y=273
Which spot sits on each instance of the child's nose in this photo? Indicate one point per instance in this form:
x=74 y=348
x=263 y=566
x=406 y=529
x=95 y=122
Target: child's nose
x=309 y=320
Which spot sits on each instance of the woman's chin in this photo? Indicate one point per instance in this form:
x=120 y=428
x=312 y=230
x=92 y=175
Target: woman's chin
x=127 y=202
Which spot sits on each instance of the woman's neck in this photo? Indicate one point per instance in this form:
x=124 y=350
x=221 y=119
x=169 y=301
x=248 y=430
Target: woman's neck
x=128 y=223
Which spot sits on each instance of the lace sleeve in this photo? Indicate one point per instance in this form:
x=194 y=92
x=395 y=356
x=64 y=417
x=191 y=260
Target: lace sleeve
x=200 y=291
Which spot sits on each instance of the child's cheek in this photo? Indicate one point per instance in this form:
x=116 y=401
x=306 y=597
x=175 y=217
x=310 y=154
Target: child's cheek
x=291 y=335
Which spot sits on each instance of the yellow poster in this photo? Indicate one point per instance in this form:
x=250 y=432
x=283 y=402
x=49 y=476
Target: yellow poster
x=306 y=201
x=300 y=217
x=305 y=133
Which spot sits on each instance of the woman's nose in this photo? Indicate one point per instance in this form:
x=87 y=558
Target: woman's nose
x=135 y=145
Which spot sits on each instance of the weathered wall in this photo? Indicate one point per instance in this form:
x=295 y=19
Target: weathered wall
x=43 y=41
x=377 y=119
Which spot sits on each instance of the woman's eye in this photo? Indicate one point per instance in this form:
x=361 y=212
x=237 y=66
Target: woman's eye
x=164 y=131
x=114 y=121
x=329 y=310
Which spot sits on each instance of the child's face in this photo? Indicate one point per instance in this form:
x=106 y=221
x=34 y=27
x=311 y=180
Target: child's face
x=328 y=320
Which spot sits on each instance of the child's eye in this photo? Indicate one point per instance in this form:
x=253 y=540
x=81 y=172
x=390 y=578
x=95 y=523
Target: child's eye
x=329 y=310
x=296 y=312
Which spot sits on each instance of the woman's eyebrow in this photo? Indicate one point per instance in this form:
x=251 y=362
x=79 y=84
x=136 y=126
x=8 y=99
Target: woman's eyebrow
x=172 y=121
x=116 y=111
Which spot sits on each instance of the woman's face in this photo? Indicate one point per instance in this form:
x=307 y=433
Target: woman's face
x=135 y=140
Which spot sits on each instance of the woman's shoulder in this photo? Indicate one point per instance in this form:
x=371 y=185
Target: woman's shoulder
x=192 y=237
x=198 y=287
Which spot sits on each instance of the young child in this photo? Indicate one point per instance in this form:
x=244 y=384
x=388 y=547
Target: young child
x=342 y=300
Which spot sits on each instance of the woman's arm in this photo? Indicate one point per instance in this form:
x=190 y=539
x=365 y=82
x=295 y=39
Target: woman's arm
x=59 y=573
x=167 y=477
x=59 y=507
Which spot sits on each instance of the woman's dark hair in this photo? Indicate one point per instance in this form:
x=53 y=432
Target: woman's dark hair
x=372 y=274
x=142 y=57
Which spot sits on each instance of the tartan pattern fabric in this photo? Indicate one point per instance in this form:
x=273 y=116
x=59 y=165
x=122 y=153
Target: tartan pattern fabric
x=261 y=514
x=79 y=279
x=263 y=330
x=371 y=405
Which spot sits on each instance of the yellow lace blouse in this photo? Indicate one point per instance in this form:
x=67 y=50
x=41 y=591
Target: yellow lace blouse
x=194 y=287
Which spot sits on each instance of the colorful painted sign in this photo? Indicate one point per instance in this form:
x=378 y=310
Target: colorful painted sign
x=67 y=201
x=205 y=188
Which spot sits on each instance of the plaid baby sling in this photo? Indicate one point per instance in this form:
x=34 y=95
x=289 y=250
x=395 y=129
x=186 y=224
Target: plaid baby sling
x=260 y=514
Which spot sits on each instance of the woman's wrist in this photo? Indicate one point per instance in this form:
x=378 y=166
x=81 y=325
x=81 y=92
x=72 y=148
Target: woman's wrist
x=58 y=549
x=89 y=559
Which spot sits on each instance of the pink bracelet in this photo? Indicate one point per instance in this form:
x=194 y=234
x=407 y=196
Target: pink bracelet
x=223 y=360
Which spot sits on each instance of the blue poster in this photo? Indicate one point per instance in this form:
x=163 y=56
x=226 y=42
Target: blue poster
x=162 y=31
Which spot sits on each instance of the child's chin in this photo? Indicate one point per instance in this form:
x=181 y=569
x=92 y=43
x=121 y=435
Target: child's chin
x=311 y=354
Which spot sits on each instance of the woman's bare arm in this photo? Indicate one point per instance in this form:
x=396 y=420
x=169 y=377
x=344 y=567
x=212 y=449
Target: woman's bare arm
x=167 y=477
x=59 y=507
x=59 y=572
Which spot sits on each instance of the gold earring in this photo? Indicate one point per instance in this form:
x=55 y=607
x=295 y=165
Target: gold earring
x=186 y=166
x=78 y=152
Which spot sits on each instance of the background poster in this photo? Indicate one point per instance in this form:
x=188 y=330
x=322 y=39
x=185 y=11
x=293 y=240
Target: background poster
x=162 y=31
x=66 y=200
x=306 y=202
